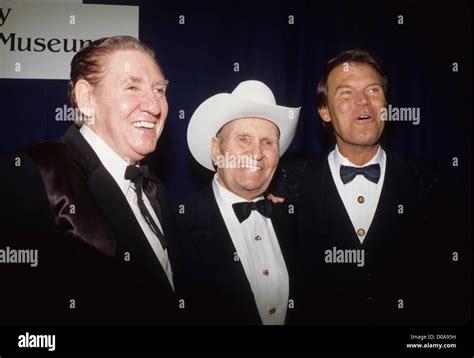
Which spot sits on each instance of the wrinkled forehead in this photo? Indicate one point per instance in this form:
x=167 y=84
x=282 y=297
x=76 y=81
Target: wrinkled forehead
x=353 y=70
x=131 y=63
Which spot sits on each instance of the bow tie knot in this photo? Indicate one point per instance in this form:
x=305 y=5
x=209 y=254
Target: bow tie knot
x=370 y=172
x=136 y=175
x=244 y=209
x=133 y=172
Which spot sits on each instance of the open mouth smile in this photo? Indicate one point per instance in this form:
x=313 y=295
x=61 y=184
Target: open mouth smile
x=364 y=117
x=144 y=124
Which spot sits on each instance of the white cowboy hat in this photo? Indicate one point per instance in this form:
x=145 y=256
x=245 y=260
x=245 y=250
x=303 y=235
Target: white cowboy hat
x=248 y=99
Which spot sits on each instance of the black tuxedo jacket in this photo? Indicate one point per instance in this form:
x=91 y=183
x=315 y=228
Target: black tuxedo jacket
x=217 y=289
x=95 y=263
x=408 y=274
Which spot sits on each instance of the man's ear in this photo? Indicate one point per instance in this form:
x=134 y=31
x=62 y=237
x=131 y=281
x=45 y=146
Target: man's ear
x=324 y=113
x=84 y=97
x=215 y=150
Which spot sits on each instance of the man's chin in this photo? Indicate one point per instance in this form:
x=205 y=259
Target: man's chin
x=363 y=141
x=254 y=187
x=142 y=152
x=141 y=138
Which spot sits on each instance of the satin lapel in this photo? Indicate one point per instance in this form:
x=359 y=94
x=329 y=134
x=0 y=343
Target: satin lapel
x=113 y=203
x=81 y=151
x=164 y=214
x=219 y=245
x=167 y=221
x=284 y=224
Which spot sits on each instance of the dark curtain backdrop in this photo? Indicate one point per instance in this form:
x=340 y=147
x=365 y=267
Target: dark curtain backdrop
x=198 y=59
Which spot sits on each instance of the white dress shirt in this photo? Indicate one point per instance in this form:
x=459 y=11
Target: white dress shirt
x=116 y=167
x=360 y=196
x=260 y=255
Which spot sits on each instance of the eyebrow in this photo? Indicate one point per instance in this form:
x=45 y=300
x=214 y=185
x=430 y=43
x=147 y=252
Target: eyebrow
x=239 y=134
x=351 y=87
x=135 y=79
x=341 y=87
x=248 y=134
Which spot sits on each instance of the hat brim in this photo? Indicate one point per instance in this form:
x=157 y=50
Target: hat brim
x=222 y=108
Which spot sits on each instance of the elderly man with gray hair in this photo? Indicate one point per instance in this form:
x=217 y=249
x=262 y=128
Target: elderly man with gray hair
x=98 y=218
x=237 y=244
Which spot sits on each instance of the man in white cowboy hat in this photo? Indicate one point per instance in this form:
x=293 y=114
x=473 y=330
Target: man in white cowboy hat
x=237 y=244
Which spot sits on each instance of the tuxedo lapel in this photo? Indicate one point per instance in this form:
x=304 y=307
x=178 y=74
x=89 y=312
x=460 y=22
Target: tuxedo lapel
x=334 y=214
x=219 y=262
x=284 y=223
x=113 y=204
x=392 y=250
x=390 y=197
x=222 y=249
x=123 y=221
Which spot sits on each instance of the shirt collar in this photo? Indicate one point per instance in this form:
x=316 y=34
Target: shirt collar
x=226 y=196
x=339 y=159
x=114 y=164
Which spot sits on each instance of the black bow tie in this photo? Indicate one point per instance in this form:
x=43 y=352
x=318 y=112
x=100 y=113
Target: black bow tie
x=370 y=172
x=137 y=175
x=244 y=209
x=133 y=172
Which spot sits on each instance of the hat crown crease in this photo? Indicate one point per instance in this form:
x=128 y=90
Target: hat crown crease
x=254 y=91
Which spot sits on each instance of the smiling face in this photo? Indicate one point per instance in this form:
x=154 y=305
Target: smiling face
x=252 y=143
x=355 y=99
x=129 y=104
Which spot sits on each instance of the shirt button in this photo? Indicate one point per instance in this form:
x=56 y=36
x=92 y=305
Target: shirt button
x=265 y=272
x=272 y=310
x=361 y=232
x=258 y=238
x=360 y=199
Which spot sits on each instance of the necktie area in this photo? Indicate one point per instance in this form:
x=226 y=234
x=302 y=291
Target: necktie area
x=140 y=176
x=370 y=172
x=244 y=209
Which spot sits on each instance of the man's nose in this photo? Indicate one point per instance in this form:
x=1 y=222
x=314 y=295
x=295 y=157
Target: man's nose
x=257 y=151
x=361 y=99
x=151 y=103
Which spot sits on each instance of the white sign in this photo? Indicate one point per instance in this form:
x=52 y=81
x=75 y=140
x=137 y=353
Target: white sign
x=39 y=40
